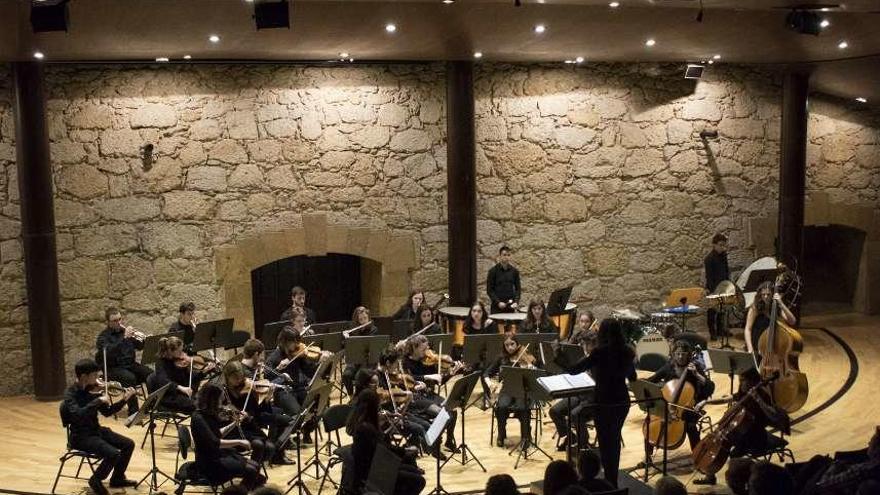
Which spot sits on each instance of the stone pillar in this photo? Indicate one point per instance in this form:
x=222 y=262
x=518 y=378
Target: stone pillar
x=792 y=169
x=38 y=231
x=461 y=177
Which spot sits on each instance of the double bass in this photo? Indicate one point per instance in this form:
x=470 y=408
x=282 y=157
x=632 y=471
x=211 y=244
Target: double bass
x=779 y=347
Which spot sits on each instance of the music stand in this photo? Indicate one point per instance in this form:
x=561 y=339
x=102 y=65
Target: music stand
x=150 y=352
x=223 y=335
x=534 y=340
x=731 y=363
x=482 y=349
x=522 y=383
x=307 y=413
x=557 y=301
x=148 y=410
x=432 y=437
x=758 y=277
x=458 y=398
x=384 y=324
x=655 y=406
x=401 y=329
x=365 y=350
x=208 y=333
x=327 y=341
x=269 y=335
x=436 y=339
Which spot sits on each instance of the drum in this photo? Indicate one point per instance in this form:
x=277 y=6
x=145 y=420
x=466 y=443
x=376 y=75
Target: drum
x=662 y=319
x=652 y=343
x=508 y=322
x=452 y=320
x=566 y=320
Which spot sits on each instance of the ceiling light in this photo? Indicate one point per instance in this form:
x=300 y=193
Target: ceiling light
x=343 y=55
x=711 y=62
x=842 y=45
x=39 y=55
x=390 y=28
x=825 y=23
x=579 y=59
x=540 y=28
x=825 y=9
x=187 y=57
x=569 y=61
x=214 y=38
x=650 y=42
x=161 y=59
x=862 y=100
x=614 y=5
x=478 y=54
x=716 y=57
x=447 y=2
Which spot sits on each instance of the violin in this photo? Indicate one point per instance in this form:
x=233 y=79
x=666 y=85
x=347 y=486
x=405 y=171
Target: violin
x=779 y=347
x=446 y=365
x=113 y=389
x=310 y=352
x=524 y=359
x=261 y=389
x=199 y=363
x=680 y=396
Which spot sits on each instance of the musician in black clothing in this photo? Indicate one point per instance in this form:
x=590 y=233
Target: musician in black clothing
x=512 y=354
x=409 y=309
x=121 y=343
x=79 y=411
x=174 y=366
x=585 y=329
x=503 y=284
x=537 y=320
x=298 y=300
x=580 y=406
x=359 y=317
x=758 y=317
x=427 y=377
x=240 y=393
x=757 y=440
x=611 y=364
x=425 y=322
x=186 y=323
x=478 y=321
x=216 y=458
x=717 y=271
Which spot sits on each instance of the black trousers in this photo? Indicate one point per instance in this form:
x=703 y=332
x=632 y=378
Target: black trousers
x=232 y=465
x=113 y=449
x=409 y=481
x=609 y=423
x=715 y=322
x=177 y=401
x=506 y=405
x=428 y=407
x=581 y=412
x=262 y=449
x=287 y=402
x=130 y=375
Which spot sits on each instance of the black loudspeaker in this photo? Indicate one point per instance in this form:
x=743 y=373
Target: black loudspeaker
x=272 y=14
x=49 y=16
x=693 y=71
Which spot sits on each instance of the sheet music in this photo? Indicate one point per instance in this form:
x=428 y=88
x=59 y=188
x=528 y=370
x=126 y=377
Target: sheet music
x=437 y=426
x=558 y=383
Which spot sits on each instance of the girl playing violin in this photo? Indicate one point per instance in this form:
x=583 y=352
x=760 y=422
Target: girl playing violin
x=758 y=317
x=512 y=354
x=537 y=320
x=587 y=327
x=242 y=395
x=424 y=375
x=175 y=367
x=216 y=458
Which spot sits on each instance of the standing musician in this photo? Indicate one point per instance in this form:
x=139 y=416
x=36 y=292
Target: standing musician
x=186 y=323
x=121 y=343
x=611 y=364
x=242 y=394
x=425 y=376
x=503 y=284
x=216 y=458
x=512 y=354
x=359 y=317
x=717 y=271
x=684 y=363
x=298 y=301
x=537 y=320
x=586 y=328
x=580 y=406
x=367 y=432
x=174 y=366
x=758 y=317
x=410 y=309
x=79 y=411
x=425 y=321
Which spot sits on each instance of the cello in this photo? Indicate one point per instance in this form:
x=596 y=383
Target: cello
x=681 y=396
x=779 y=347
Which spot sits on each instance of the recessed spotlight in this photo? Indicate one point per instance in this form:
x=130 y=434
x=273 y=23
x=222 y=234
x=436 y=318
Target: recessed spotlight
x=390 y=28
x=825 y=9
x=711 y=62
x=862 y=100
x=161 y=59
x=650 y=42
x=447 y=2
x=187 y=57
x=579 y=59
x=716 y=57
x=478 y=54
x=825 y=23
x=351 y=59
x=842 y=45
x=614 y=5
x=569 y=61
x=39 y=55
x=214 y=38
x=540 y=28
x=343 y=55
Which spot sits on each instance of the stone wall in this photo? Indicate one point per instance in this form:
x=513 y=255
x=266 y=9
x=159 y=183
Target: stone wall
x=596 y=175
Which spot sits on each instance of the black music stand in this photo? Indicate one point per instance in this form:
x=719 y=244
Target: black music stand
x=401 y=329
x=565 y=387
x=432 y=440
x=723 y=309
x=758 y=277
x=557 y=301
x=311 y=403
x=458 y=398
x=148 y=410
x=330 y=326
x=384 y=324
x=655 y=405
x=435 y=341
x=327 y=341
x=150 y=352
x=365 y=350
x=269 y=335
x=208 y=334
x=731 y=363
x=534 y=340
x=482 y=349
x=522 y=383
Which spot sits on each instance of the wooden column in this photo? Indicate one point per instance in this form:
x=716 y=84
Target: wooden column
x=792 y=169
x=38 y=231
x=461 y=177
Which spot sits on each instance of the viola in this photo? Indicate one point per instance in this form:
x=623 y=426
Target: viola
x=779 y=347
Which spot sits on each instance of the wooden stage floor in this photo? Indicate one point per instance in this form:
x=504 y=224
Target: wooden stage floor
x=33 y=438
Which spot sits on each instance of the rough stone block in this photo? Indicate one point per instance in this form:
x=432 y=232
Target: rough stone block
x=206 y=178
x=83 y=278
x=154 y=115
x=82 y=181
x=130 y=209
x=179 y=205
x=106 y=239
x=172 y=240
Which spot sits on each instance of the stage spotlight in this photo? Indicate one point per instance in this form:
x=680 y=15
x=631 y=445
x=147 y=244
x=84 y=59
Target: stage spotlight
x=272 y=14
x=49 y=15
x=804 y=22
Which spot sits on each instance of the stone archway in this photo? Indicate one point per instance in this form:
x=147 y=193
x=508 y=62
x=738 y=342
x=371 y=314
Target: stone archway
x=821 y=210
x=396 y=253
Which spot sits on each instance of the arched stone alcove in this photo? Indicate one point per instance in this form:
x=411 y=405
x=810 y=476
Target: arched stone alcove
x=396 y=253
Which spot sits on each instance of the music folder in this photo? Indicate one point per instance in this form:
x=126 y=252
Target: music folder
x=559 y=384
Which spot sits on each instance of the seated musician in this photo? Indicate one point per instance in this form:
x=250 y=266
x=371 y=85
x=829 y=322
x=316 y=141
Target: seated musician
x=216 y=457
x=121 y=343
x=537 y=320
x=298 y=301
x=242 y=394
x=427 y=376
x=577 y=407
x=359 y=317
x=186 y=323
x=478 y=321
x=757 y=440
x=79 y=411
x=587 y=326
x=683 y=361
x=175 y=367
x=512 y=354
x=758 y=317
x=425 y=322
x=410 y=309
x=367 y=432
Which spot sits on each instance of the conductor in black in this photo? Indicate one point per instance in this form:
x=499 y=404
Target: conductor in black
x=717 y=271
x=502 y=284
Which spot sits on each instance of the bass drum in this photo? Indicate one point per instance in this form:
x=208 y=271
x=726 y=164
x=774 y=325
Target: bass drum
x=652 y=343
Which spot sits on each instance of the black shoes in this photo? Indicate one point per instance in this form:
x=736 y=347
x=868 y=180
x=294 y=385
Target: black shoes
x=499 y=441
x=708 y=480
x=282 y=460
x=563 y=444
x=122 y=483
x=451 y=446
x=98 y=487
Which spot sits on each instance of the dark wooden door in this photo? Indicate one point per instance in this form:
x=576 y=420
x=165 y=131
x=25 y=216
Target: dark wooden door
x=831 y=263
